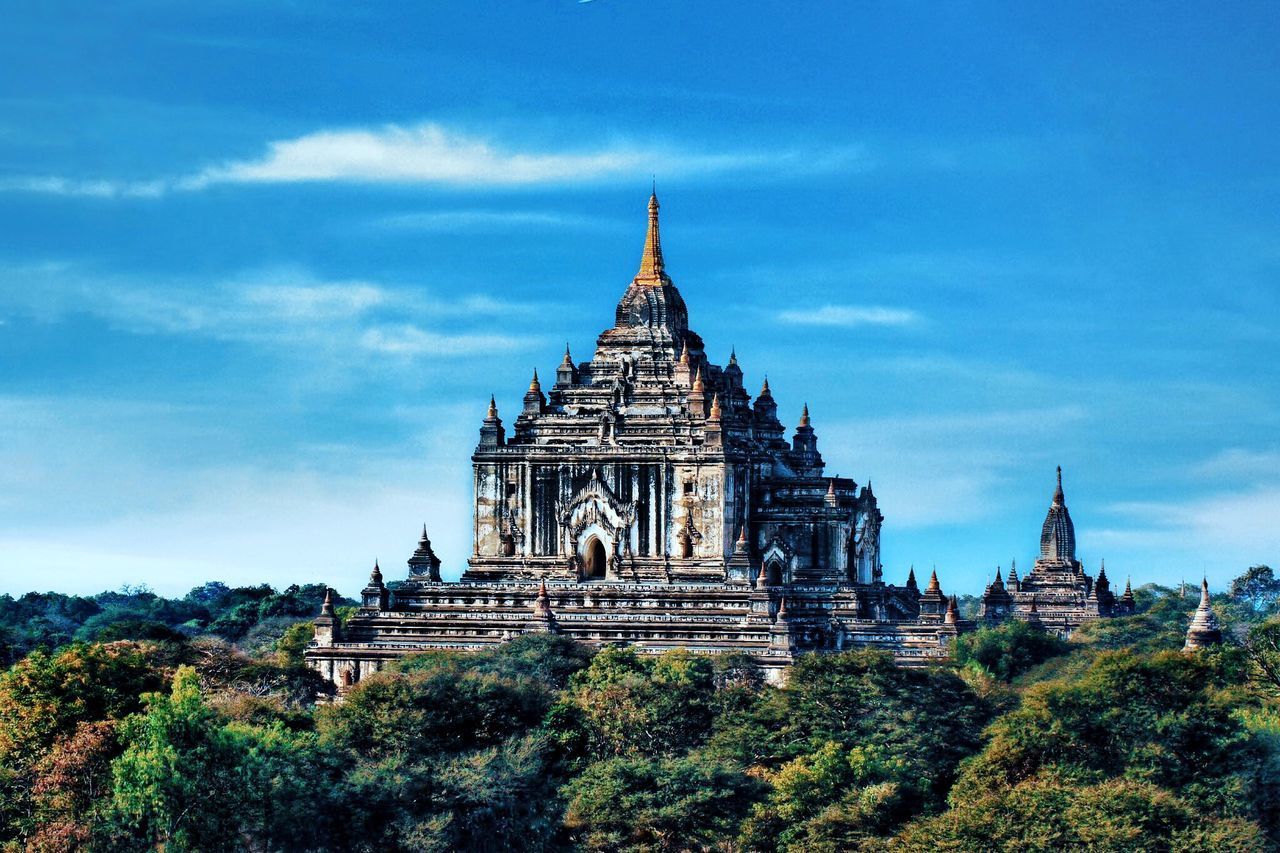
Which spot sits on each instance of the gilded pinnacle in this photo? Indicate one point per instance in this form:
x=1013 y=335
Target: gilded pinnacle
x=652 y=270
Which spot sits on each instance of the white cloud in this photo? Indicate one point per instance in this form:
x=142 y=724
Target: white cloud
x=1239 y=526
x=429 y=153
x=457 y=221
x=281 y=309
x=54 y=185
x=849 y=316
x=409 y=340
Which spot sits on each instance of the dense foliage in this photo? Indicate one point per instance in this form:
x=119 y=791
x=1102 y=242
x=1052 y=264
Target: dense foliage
x=132 y=722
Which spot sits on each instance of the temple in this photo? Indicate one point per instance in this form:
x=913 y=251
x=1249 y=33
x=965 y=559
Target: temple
x=647 y=498
x=1057 y=593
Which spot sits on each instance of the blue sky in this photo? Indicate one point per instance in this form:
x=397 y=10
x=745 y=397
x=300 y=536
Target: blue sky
x=261 y=265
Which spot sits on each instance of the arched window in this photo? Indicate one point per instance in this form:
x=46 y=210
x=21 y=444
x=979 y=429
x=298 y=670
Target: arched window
x=774 y=568
x=596 y=559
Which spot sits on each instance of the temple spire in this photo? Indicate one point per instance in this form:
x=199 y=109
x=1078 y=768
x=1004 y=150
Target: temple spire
x=652 y=270
x=1058 y=498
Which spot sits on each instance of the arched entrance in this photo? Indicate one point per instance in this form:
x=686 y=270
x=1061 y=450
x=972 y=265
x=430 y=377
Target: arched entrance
x=596 y=561
x=773 y=571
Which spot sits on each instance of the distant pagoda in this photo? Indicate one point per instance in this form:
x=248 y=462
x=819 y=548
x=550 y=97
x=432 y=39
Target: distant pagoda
x=1056 y=593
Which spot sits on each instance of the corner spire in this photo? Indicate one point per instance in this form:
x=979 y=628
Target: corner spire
x=804 y=416
x=652 y=269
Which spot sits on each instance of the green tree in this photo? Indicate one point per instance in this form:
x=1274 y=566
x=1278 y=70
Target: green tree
x=176 y=783
x=833 y=799
x=928 y=718
x=633 y=705
x=658 y=804
x=1257 y=589
x=1046 y=814
x=1009 y=650
x=1168 y=719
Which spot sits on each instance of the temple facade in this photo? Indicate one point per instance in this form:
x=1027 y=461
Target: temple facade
x=645 y=497
x=1057 y=593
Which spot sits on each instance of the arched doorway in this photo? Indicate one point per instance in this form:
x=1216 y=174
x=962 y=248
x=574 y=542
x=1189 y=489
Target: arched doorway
x=596 y=561
x=773 y=571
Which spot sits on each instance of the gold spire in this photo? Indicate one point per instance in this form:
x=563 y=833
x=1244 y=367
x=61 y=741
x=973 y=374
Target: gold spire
x=804 y=416
x=698 y=386
x=534 y=385
x=684 y=354
x=715 y=407
x=764 y=389
x=493 y=408
x=652 y=270
x=568 y=359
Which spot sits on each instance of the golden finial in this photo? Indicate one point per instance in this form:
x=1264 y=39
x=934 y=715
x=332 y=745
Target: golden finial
x=652 y=270
x=684 y=354
x=764 y=390
x=697 y=382
x=715 y=407
x=804 y=416
x=493 y=407
x=534 y=384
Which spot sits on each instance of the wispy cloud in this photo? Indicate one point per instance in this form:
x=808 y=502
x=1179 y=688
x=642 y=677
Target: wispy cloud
x=432 y=154
x=283 y=308
x=850 y=316
x=74 y=188
x=460 y=221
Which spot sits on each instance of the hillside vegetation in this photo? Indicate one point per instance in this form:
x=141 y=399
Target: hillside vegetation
x=134 y=722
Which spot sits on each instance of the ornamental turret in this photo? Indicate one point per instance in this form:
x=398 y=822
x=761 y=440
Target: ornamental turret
x=997 y=603
x=543 y=620
x=534 y=400
x=1127 y=603
x=492 y=433
x=804 y=448
x=328 y=630
x=375 y=595
x=424 y=564
x=566 y=373
x=933 y=603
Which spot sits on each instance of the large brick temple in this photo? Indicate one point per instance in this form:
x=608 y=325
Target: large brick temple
x=646 y=498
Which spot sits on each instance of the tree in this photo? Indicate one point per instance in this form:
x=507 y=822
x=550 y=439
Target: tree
x=1046 y=813
x=833 y=799
x=658 y=804
x=176 y=782
x=1262 y=645
x=632 y=705
x=1167 y=719
x=1257 y=589
x=930 y=719
x=1008 y=650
